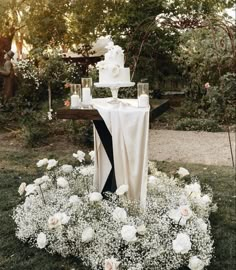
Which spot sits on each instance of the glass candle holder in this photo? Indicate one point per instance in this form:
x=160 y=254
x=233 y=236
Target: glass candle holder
x=143 y=94
x=76 y=96
x=87 y=84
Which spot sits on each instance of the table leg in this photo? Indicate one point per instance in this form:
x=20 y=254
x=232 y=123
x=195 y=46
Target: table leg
x=106 y=140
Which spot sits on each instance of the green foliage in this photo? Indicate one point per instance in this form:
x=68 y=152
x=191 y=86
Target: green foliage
x=35 y=129
x=195 y=124
x=207 y=53
x=80 y=132
x=216 y=102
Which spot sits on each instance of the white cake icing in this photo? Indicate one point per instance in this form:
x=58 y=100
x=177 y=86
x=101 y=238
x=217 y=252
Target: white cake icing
x=111 y=69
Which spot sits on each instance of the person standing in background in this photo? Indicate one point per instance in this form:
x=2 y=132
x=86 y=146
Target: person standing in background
x=9 y=77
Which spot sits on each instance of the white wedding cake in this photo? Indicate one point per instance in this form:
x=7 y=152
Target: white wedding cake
x=111 y=69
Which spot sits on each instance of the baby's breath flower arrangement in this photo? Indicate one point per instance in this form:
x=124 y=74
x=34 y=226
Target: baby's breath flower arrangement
x=63 y=213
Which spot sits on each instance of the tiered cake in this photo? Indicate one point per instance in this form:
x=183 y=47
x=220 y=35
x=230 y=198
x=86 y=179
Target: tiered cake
x=111 y=69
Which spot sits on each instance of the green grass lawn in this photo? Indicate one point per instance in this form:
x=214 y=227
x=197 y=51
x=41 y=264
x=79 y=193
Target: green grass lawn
x=19 y=166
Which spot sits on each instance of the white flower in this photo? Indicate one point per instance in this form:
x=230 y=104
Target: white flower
x=64 y=218
x=62 y=182
x=87 y=171
x=141 y=229
x=152 y=180
x=67 y=168
x=195 y=263
x=41 y=240
x=57 y=220
x=95 y=197
x=30 y=189
x=50 y=115
x=182 y=243
x=21 y=188
x=42 y=162
x=101 y=65
x=128 y=233
x=54 y=222
x=122 y=190
x=193 y=191
x=74 y=199
x=79 y=155
x=110 y=45
x=181 y=215
x=92 y=155
x=201 y=224
x=45 y=178
x=182 y=172
x=87 y=235
x=39 y=181
x=119 y=214
x=204 y=200
x=115 y=71
x=111 y=264
x=51 y=163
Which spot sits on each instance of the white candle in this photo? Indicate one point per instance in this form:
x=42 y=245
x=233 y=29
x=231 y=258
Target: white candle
x=143 y=100
x=75 y=101
x=86 y=95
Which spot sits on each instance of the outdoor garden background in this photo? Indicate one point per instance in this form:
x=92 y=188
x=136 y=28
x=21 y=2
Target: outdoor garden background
x=186 y=50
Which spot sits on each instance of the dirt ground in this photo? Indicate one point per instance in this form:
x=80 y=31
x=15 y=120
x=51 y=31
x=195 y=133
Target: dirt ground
x=164 y=145
x=191 y=147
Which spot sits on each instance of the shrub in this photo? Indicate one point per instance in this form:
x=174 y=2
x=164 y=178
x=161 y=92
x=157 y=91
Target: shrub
x=35 y=129
x=196 y=124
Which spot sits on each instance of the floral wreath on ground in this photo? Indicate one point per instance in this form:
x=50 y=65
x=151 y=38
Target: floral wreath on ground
x=63 y=214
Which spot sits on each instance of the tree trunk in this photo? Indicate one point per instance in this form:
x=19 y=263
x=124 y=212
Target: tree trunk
x=7 y=93
x=5 y=46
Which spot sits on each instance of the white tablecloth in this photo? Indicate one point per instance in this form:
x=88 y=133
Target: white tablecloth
x=129 y=127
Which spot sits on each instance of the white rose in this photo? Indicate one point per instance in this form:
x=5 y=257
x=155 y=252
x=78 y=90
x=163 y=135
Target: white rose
x=119 y=214
x=111 y=264
x=204 y=200
x=79 y=155
x=45 y=178
x=95 y=197
x=152 y=180
x=42 y=162
x=63 y=218
x=51 y=163
x=182 y=243
x=122 y=190
x=67 y=168
x=30 y=189
x=195 y=263
x=92 y=155
x=141 y=229
x=87 y=171
x=182 y=172
x=109 y=45
x=128 y=233
x=57 y=220
x=115 y=71
x=181 y=215
x=62 y=182
x=193 y=191
x=41 y=240
x=21 y=188
x=39 y=181
x=54 y=222
x=201 y=224
x=74 y=199
x=87 y=235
